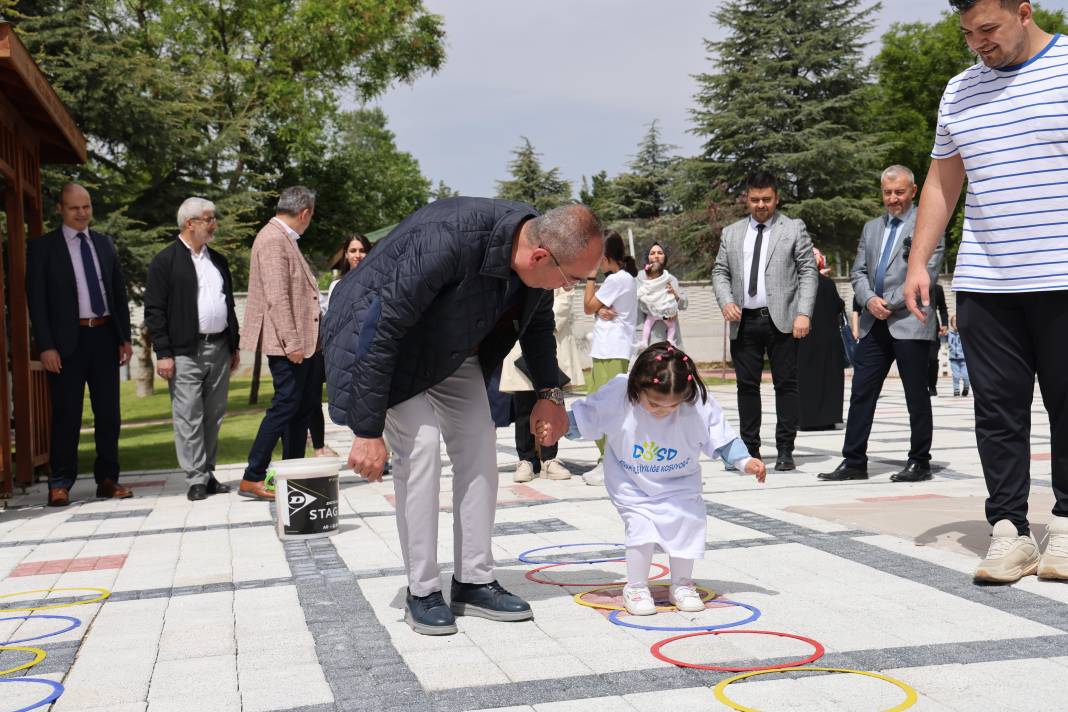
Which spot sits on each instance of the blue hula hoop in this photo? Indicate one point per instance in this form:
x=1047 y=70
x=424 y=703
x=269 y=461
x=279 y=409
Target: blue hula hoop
x=754 y=613
x=57 y=690
x=527 y=560
x=74 y=623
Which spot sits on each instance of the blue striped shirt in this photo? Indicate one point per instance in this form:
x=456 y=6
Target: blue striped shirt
x=1010 y=127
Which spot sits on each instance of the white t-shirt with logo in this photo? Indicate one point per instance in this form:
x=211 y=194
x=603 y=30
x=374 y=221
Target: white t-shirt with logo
x=615 y=338
x=651 y=465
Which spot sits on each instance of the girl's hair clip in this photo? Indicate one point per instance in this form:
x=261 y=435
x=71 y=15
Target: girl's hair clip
x=671 y=350
x=659 y=357
x=656 y=380
x=689 y=377
x=685 y=358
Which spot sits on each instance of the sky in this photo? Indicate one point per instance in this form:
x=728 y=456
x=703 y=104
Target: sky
x=581 y=79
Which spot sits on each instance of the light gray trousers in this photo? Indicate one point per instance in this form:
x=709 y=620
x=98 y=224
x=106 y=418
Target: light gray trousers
x=198 y=389
x=457 y=409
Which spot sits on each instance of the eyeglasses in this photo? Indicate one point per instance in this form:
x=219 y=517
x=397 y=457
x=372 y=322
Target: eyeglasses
x=569 y=282
x=210 y=221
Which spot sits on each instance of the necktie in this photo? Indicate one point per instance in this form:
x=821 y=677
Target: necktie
x=884 y=261
x=92 y=280
x=754 y=271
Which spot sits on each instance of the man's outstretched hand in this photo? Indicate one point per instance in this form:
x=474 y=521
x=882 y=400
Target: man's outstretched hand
x=552 y=415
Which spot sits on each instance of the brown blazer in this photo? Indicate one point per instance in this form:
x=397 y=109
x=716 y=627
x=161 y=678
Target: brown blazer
x=282 y=312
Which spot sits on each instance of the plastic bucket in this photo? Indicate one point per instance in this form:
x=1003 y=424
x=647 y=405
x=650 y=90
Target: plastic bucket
x=306 y=493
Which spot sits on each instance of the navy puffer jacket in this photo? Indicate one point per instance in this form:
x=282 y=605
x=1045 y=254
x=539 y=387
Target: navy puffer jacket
x=427 y=297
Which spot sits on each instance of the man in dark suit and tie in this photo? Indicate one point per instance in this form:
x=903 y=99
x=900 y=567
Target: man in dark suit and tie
x=81 y=324
x=765 y=279
x=888 y=333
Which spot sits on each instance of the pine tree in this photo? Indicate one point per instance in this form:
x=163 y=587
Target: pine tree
x=644 y=191
x=531 y=184
x=789 y=98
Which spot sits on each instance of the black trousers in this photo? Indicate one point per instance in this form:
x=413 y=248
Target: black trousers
x=932 y=363
x=757 y=335
x=872 y=360
x=316 y=421
x=296 y=393
x=523 y=402
x=95 y=363
x=1008 y=340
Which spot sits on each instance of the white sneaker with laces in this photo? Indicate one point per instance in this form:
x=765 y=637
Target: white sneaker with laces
x=524 y=472
x=686 y=597
x=555 y=470
x=1010 y=557
x=1054 y=563
x=638 y=601
x=594 y=477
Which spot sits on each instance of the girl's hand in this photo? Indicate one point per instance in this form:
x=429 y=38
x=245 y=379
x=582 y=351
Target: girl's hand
x=757 y=468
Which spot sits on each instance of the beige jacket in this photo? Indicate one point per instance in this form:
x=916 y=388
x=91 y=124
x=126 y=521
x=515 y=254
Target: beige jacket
x=282 y=312
x=567 y=353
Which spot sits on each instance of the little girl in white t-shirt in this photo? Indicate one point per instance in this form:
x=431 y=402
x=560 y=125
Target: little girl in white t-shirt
x=657 y=421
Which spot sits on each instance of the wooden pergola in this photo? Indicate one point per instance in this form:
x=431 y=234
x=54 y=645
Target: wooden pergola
x=35 y=128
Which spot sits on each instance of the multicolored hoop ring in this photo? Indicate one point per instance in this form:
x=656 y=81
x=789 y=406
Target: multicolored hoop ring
x=530 y=575
x=527 y=560
x=819 y=651
x=910 y=693
x=754 y=613
x=74 y=623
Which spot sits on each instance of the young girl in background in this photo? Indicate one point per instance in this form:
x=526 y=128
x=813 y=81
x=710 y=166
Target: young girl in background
x=657 y=422
x=658 y=301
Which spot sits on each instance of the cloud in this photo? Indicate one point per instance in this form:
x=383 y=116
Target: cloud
x=579 y=79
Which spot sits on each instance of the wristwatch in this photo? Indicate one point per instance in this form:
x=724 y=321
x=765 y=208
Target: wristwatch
x=556 y=395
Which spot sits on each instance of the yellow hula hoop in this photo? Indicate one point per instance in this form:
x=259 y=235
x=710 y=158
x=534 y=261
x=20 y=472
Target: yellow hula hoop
x=38 y=656
x=707 y=595
x=910 y=693
x=104 y=593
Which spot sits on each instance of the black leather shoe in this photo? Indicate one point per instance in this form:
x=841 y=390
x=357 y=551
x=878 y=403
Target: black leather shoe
x=216 y=487
x=197 y=492
x=488 y=600
x=932 y=391
x=913 y=472
x=785 y=462
x=429 y=615
x=844 y=472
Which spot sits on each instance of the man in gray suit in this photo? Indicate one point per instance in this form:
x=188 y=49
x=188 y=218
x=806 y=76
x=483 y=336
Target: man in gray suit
x=888 y=333
x=765 y=279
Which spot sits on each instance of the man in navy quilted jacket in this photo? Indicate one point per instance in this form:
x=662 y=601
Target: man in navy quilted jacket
x=411 y=340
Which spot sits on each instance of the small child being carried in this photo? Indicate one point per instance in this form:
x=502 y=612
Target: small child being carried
x=658 y=421
x=658 y=300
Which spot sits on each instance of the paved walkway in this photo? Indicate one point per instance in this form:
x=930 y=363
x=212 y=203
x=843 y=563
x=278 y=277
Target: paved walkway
x=210 y=611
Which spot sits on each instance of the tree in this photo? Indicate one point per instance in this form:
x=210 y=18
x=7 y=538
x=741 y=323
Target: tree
x=643 y=192
x=915 y=62
x=443 y=191
x=211 y=98
x=544 y=189
x=789 y=98
x=363 y=181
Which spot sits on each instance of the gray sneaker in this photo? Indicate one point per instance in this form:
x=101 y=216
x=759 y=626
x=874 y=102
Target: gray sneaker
x=1010 y=557
x=1054 y=563
x=594 y=477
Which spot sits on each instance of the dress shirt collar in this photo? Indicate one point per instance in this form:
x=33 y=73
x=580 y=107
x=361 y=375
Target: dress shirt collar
x=767 y=224
x=904 y=218
x=70 y=234
x=203 y=250
x=293 y=234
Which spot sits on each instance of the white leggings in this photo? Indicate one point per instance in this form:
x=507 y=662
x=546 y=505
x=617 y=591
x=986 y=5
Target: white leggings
x=639 y=560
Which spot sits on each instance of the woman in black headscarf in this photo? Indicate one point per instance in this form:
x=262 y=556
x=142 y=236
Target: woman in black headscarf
x=821 y=358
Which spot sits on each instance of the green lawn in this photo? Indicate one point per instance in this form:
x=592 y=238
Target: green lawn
x=158 y=405
x=151 y=447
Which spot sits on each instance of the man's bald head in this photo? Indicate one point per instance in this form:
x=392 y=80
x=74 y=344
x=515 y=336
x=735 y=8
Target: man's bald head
x=75 y=206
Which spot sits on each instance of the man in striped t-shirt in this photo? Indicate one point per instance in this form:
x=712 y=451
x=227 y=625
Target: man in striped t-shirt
x=1003 y=124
